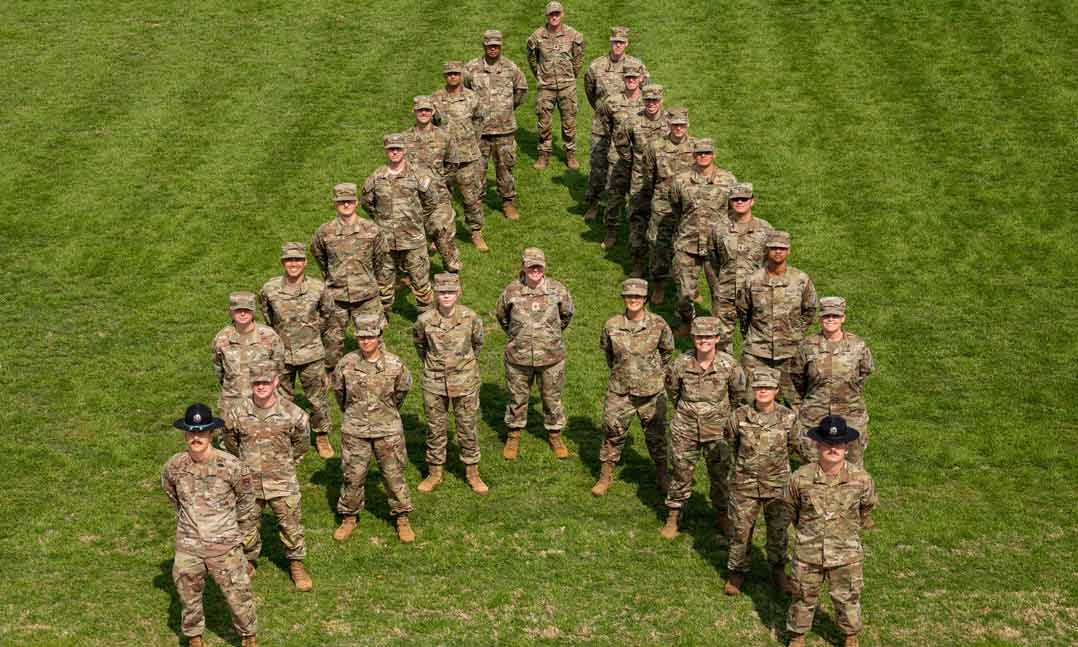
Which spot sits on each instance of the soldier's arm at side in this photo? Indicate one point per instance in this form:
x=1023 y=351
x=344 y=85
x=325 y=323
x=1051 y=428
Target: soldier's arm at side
x=367 y=199
x=533 y=57
x=791 y=498
x=566 y=309
x=218 y=363
x=170 y=488
x=318 y=251
x=743 y=305
x=246 y=508
x=737 y=386
x=264 y=307
x=577 y=53
x=799 y=369
x=808 y=305
x=230 y=434
x=666 y=342
x=672 y=381
x=478 y=335
x=338 y=386
x=591 y=89
x=869 y=499
x=520 y=87
x=865 y=367
x=301 y=438
x=606 y=347
x=725 y=271
x=501 y=310
x=419 y=340
x=402 y=386
x=277 y=354
x=325 y=305
x=384 y=271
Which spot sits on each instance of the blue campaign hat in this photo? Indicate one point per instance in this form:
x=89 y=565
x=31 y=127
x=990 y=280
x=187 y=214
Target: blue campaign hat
x=198 y=417
x=833 y=430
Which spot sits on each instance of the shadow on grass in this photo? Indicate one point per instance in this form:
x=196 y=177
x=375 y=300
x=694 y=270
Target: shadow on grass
x=216 y=611
x=634 y=468
x=492 y=408
x=331 y=477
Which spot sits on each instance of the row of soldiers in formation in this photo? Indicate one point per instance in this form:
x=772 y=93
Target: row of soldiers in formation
x=735 y=423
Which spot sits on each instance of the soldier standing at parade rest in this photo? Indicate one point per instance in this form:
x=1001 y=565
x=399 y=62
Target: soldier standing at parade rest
x=501 y=87
x=458 y=111
x=370 y=384
x=776 y=307
x=704 y=384
x=239 y=344
x=604 y=78
x=555 y=56
x=828 y=501
x=534 y=310
x=427 y=145
x=637 y=346
x=448 y=340
x=212 y=494
x=737 y=248
x=297 y=307
x=355 y=259
x=271 y=436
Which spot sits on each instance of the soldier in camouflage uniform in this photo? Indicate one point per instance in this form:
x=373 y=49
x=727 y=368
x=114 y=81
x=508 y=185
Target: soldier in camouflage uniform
x=614 y=110
x=828 y=501
x=698 y=200
x=533 y=311
x=239 y=344
x=555 y=56
x=448 y=340
x=762 y=436
x=297 y=307
x=371 y=384
x=271 y=436
x=402 y=198
x=704 y=384
x=637 y=345
x=664 y=159
x=736 y=249
x=501 y=87
x=212 y=494
x=458 y=110
x=427 y=145
x=604 y=78
x=776 y=307
x=830 y=374
x=355 y=259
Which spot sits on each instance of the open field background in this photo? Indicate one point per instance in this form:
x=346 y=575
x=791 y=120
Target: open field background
x=155 y=155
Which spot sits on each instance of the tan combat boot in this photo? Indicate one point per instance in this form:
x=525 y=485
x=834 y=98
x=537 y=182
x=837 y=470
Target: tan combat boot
x=658 y=292
x=733 y=583
x=325 y=449
x=249 y=641
x=433 y=480
x=477 y=240
x=471 y=475
x=796 y=640
x=510 y=210
x=251 y=570
x=343 y=531
x=593 y=210
x=299 y=576
x=556 y=444
x=540 y=164
x=662 y=477
x=195 y=641
x=570 y=160
x=852 y=641
x=669 y=530
x=611 y=237
x=782 y=583
x=512 y=446
x=606 y=479
x=404 y=529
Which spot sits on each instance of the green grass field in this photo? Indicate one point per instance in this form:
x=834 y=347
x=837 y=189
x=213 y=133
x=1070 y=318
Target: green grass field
x=155 y=155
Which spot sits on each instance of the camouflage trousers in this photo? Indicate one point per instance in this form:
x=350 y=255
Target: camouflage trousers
x=845 y=584
x=687 y=274
x=389 y=452
x=416 y=264
x=685 y=450
x=660 y=235
x=598 y=168
x=618 y=413
x=230 y=573
x=618 y=179
x=312 y=376
x=289 y=528
x=503 y=150
x=786 y=385
x=744 y=509
x=808 y=416
x=565 y=100
x=442 y=229
x=518 y=381
x=465 y=408
x=470 y=178
x=337 y=323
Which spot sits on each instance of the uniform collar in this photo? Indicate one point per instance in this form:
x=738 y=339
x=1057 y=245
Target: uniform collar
x=843 y=475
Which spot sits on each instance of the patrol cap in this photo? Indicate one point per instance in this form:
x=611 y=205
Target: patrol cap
x=446 y=282
x=706 y=327
x=765 y=377
x=778 y=238
x=678 y=115
x=395 y=140
x=634 y=288
x=741 y=190
x=422 y=102
x=631 y=70
x=198 y=417
x=368 y=325
x=344 y=191
x=654 y=92
x=262 y=371
x=453 y=66
x=619 y=34
x=241 y=301
x=293 y=250
x=534 y=256
x=833 y=430
x=554 y=7
x=492 y=37
x=703 y=145
x=832 y=306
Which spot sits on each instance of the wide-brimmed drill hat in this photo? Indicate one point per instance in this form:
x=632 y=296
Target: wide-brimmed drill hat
x=198 y=417
x=833 y=430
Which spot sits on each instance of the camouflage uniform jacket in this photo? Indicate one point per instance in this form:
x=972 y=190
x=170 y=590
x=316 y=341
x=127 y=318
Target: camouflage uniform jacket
x=556 y=58
x=663 y=160
x=613 y=111
x=355 y=260
x=703 y=398
x=401 y=203
x=370 y=394
x=776 y=311
x=831 y=375
x=270 y=442
x=761 y=444
x=737 y=250
x=605 y=77
x=534 y=319
x=501 y=88
x=298 y=314
x=636 y=353
x=214 y=502
x=827 y=513
x=427 y=149
x=699 y=202
x=234 y=353
x=640 y=132
x=462 y=117
x=449 y=349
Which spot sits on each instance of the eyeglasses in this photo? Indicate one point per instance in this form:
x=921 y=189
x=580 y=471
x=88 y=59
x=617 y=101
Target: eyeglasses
x=740 y=199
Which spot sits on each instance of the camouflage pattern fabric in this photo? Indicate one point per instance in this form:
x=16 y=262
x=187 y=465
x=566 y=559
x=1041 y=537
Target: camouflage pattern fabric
x=415 y=264
x=355 y=262
x=229 y=570
x=687 y=268
x=390 y=453
x=598 y=167
x=428 y=147
x=618 y=413
x=339 y=314
x=614 y=111
x=844 y=583
x=312 y=377
x=518 y=381
x=462 y=116
x=606 y=77
x=533 y=319
x=776 y=311
x=401 y=204
x=233 y=355
x=565 y=101
x=787 y=391
x=555 y=59
x=465 y=409
x=503 y=150
x=270 y=442
x=501 y=88
x=639 y=131
x=664 y=159
x=470 y=180
x=697 y=201
x=735 y=251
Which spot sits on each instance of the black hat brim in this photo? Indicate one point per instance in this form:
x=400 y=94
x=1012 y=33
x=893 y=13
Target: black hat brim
x=817 y=434
x=214 y=423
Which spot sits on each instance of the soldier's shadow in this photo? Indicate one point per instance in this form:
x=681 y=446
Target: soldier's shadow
x=218 y=616
x=415 y=440
x=635 y=468
x=331 y=477
x=492 y=408
x=769 y=603
x=576 y=182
